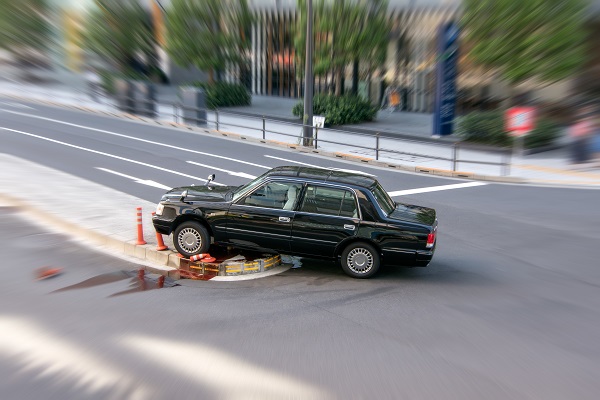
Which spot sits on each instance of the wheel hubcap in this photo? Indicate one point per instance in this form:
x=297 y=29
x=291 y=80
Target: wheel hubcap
x=360 y=260
x=190 y=240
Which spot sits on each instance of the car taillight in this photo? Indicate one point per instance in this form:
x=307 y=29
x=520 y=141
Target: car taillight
x=431 y=239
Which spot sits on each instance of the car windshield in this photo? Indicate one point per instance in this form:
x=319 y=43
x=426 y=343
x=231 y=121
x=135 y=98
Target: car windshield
x=240 y=191
x=383 y=199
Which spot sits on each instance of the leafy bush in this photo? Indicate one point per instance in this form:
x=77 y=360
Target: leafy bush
x=544 y=134
x=339 y=110
x=224 y=94
x=488 y=127
x=485 y=127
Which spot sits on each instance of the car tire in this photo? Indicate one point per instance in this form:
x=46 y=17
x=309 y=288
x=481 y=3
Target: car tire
x=360 y=260
x=191 y=238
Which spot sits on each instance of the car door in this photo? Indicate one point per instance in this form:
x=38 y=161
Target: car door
x=263 y=218
x=326 y=216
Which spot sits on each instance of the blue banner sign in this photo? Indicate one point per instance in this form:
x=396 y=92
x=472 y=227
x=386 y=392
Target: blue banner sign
x=447 y=71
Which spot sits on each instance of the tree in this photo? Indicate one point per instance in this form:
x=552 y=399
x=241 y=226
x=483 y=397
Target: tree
x=346 y=31
x=118 y=31
x=24 y=27
x=208 y=34
x=528 y=39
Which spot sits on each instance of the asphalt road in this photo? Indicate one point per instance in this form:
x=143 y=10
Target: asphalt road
x=507 y=309
x=155 y=146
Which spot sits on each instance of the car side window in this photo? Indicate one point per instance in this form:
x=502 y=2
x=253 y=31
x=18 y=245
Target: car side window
x=329 y=201
x=278 y=195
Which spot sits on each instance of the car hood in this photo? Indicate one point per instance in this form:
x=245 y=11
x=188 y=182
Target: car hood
x=413 y=213
x=199 y=193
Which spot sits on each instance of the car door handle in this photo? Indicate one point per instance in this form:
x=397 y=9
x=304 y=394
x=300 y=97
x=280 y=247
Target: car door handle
x=284 y=219
x=349 y=227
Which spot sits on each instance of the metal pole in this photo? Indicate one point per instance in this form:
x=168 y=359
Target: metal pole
x=308 y=76
x=506 y=163
x=217 y=118
x=263 y=130
x=454 y=156
x=316 y=136
x=377 y=147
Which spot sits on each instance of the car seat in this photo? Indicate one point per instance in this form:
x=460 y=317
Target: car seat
x=292 y=194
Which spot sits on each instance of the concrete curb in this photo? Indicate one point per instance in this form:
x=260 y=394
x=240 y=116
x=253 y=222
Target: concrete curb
x=299 y=148
x=165 y=262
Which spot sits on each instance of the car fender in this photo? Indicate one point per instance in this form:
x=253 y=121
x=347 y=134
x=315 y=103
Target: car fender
x=354 y=239
x=191 y=217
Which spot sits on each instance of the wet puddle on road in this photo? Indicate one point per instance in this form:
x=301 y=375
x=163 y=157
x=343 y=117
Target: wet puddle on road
x=139 y=282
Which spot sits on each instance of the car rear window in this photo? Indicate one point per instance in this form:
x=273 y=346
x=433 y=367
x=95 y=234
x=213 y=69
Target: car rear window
x=383 y=199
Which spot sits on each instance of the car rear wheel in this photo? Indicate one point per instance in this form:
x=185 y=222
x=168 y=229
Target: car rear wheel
x=360 y=260
x=191 y=238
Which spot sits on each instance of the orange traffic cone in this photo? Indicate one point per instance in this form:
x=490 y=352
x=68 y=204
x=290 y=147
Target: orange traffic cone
x=199 y=257
x=140 y=230
x=159 y=239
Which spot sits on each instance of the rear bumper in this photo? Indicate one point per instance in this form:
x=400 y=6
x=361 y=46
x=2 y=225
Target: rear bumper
x=423 y=257
x=408 y=258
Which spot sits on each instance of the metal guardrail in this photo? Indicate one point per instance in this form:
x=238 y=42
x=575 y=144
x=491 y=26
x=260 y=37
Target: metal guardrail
x=454 y=148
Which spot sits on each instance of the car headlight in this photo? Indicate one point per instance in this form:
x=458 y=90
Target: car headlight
x=159 y=209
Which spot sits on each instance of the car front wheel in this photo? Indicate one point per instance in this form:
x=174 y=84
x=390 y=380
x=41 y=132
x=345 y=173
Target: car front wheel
x=191 y=238
x=360 y=260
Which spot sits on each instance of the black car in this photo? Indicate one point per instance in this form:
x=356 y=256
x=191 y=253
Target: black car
x=302 y=211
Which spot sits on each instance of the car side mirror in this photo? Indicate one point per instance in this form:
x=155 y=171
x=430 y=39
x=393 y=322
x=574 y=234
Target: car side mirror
x=183 y=196
x=211 y=178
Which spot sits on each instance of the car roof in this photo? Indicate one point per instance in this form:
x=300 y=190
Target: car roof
x=334 y=175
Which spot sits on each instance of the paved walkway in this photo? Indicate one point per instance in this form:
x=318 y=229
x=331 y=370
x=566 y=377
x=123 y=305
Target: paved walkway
x=62 y=204
x=545 y=168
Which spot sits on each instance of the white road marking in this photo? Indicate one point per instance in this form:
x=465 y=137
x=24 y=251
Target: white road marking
x=17 y=105
x=31 y=348
x=436 y=188
x=146 y=182
x=291 y=161
x=242 y=174
x=227 y=376
x=138 y=139
x=109 y=155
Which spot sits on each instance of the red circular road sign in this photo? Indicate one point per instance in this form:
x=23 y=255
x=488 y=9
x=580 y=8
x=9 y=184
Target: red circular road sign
x=520 y=120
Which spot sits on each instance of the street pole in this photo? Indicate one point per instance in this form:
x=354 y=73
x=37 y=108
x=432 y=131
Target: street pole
x=308 y=77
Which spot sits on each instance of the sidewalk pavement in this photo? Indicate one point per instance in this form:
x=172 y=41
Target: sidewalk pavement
x=549 y=168
x=94 y=214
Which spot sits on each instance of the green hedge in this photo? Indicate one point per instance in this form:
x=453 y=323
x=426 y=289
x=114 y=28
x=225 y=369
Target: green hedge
x=339 y=110
x=488 y=127
x=544 y=134
x=223 y=94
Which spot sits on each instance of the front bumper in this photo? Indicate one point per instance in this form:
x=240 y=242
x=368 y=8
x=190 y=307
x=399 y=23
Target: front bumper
x=162 y=226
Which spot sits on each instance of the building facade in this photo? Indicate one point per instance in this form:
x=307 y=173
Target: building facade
x=410 y=61
x=272 y=67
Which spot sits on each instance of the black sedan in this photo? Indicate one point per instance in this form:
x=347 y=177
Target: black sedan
x=303 y=211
